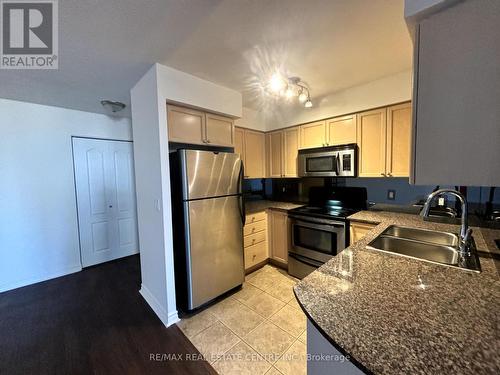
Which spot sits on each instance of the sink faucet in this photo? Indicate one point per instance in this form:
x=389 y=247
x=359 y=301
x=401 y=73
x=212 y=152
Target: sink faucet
x=465 y=231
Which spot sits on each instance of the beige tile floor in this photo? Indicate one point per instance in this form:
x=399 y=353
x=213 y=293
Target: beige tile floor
x=259 y=329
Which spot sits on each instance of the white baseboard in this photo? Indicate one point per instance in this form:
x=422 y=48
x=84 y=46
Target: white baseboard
x=166 y=318
x=39 y=279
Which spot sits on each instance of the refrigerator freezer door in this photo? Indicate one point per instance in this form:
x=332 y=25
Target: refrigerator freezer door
x=215 y=248
x=210 y=174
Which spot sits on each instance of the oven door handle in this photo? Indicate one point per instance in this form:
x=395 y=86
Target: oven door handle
x=305 y=260
x=325 y=227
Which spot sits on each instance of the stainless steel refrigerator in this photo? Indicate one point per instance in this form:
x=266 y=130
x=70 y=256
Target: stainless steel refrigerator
x=208 y=219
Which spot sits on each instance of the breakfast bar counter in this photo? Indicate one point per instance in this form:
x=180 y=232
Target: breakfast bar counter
x=396 y=315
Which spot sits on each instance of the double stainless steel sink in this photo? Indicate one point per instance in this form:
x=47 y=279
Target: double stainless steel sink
x=428 y=245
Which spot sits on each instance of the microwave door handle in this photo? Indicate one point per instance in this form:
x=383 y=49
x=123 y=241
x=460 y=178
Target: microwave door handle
x=337 y=164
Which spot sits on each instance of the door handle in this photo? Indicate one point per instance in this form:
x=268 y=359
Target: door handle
x=241 y=202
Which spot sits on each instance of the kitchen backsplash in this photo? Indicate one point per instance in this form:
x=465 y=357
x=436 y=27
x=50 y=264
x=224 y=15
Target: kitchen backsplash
x=297 y=189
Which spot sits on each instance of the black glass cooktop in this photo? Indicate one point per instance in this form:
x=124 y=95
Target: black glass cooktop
x=326 y=211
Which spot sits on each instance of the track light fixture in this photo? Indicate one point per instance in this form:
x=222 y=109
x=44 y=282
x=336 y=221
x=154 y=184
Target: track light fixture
x=289 y=87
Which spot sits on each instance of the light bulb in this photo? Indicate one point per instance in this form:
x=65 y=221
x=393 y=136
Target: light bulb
x=289 y=92
x=277 y=83
x=308 y=104
x=302 y=97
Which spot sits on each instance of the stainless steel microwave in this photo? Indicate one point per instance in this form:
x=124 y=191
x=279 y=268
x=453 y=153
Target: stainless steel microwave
x=329 y=161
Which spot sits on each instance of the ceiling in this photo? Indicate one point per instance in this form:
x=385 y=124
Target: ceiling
x=105 y=46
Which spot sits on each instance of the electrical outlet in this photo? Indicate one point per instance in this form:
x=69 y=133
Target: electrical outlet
x=391 y=195
x=441 y=201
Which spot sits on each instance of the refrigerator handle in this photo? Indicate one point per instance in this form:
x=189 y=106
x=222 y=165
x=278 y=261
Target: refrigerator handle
x=240 y=192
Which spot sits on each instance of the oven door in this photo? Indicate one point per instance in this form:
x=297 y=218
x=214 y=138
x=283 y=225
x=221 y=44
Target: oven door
x=317 y=240
x=318 y=164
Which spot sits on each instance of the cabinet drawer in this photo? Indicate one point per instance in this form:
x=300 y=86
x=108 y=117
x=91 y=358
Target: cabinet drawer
x=258 y=216
x=255 y=254
x=255 y=238
x=255 y=227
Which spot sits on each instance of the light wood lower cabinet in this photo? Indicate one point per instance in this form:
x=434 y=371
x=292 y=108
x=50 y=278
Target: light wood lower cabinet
x=358 y=230
x=191 y=126
x=279 y=236
x=255 y=244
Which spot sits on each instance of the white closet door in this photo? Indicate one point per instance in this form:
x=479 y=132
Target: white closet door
x=105 y=192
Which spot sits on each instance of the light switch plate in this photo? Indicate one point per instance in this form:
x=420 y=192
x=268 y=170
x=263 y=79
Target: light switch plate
x=391 y=195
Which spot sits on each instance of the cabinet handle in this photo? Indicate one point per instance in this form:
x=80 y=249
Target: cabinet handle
x=208 y=140
x=383 y=174
x=389 y=174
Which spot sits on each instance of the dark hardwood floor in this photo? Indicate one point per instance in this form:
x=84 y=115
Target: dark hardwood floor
x=91 y=322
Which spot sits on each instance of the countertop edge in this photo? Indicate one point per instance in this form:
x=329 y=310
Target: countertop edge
x=352 y=359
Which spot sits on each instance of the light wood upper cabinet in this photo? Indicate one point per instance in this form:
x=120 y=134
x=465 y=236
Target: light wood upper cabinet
x=341 y=130
x=255 y=154
x=239 y=142
x=275 y=147
x=398 y=140
x=290 y=151
x=313 y=135
x=190 y=126
x=371 y=135
x=279 y=234
x=219 y=130
x=185 y=125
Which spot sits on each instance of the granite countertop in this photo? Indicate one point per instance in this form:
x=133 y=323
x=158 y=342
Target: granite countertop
x=396 y=315
x=261 y=205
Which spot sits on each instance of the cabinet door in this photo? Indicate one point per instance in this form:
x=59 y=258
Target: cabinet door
x=341 y=130
x=255 y=154
x=372 y=143
x=274 y=153
x=219 y=130
x=398 y=140
x=185 y=125
x=313 y=135
x=290 y=151
x=279 y=233
x=239 y=144
x=358 y=231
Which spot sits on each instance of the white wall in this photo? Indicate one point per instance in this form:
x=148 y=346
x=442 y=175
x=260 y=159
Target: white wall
x=251 y=119
x=149 y=119
x=38 y=218
x=388 y=90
